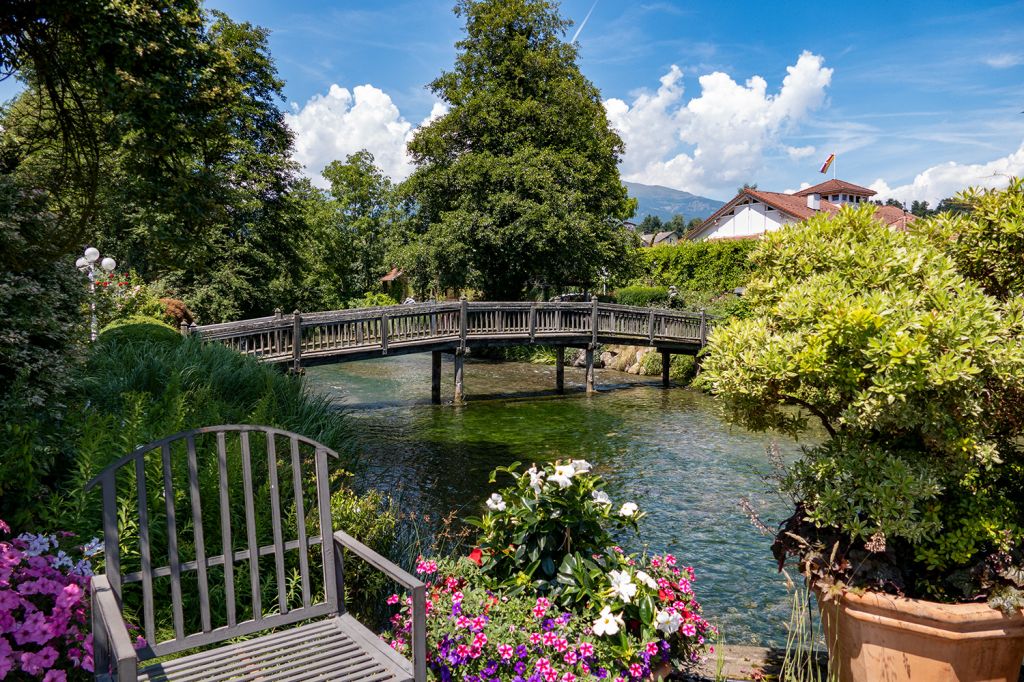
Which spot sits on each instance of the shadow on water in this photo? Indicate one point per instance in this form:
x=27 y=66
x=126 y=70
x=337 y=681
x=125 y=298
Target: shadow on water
x=668 y=450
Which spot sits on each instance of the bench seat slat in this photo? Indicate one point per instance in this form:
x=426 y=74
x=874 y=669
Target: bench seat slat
x=335 y=649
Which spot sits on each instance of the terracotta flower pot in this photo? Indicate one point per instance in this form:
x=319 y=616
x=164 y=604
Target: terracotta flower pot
x=876 y=637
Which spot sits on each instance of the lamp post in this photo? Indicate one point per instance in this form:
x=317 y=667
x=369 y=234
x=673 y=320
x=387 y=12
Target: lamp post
x=88 y=264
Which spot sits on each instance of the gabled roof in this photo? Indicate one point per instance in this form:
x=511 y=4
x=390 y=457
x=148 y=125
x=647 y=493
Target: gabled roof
x=837 y=187
x=787 y=203
x=655 y=238
x=894 y=216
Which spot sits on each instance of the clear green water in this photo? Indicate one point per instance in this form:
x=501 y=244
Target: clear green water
x=667 y=450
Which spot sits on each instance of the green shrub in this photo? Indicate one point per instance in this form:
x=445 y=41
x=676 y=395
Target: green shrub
x=714 y=266
x=917 y=376
x=140 y=329
x=370 y=300
x=642 y=296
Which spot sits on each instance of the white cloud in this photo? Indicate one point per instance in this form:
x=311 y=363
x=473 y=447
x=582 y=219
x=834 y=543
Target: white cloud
x=800 y=152
x=341 y=122
x=713 y=141
x=946 y=179
x=1004 y=61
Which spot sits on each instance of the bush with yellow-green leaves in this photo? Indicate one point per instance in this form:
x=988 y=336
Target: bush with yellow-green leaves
x=915 y=369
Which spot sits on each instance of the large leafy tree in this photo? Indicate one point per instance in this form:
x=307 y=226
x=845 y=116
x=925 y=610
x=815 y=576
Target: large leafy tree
x=352 y=228
x=518 y=182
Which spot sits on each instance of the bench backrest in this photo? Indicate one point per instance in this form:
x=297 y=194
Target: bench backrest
x=208 y=524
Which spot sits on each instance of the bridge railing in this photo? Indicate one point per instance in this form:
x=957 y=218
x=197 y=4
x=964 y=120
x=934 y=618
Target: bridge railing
x=341 y=332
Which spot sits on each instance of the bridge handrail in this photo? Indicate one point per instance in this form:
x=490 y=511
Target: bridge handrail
x=272 y=322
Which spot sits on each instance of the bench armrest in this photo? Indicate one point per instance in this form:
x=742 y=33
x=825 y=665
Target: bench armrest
x=110 y=635
x=410 y=582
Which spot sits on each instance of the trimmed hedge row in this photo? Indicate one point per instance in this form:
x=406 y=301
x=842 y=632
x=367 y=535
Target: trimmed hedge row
x=708 y=266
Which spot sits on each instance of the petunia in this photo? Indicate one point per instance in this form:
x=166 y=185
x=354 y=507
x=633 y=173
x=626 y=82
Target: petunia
x=496 y=503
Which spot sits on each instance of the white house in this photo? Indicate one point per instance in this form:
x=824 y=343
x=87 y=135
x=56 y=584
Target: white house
x=753 y=212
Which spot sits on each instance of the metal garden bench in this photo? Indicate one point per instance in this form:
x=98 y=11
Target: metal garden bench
x=227 y=502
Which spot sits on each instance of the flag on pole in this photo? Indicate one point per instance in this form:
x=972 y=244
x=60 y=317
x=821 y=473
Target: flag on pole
x=828 y=162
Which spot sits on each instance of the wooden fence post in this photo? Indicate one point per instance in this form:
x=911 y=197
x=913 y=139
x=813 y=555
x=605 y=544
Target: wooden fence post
x=384 y=322
x=650 y=327
x=278 y=317
x=590 y=370
x=184 y=328
x=593 y=319
x=463 y=321
x=533 y=322
x=703 y=328
x=297 y=342
x=460 y=395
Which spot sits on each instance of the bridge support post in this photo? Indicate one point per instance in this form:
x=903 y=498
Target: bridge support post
x=590 y=369
x=560 y=369
x=666 y=365
x=435 y=377
x=297 y=342
x=460 y=396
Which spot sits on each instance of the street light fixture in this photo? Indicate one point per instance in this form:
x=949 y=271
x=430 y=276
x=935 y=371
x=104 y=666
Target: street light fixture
x=87 y=264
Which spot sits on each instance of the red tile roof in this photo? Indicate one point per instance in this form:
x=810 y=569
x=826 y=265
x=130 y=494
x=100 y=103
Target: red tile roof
x=836 y=187
x=795 y=205
x=392 y=276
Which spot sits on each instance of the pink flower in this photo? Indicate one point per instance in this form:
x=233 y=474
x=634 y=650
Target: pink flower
x=652 y=648
x=534 y=638
x=549 y=638
x=479 y=622
x=36 y=663
x=561 y=644
x=568 y=677
x=570 y=657
x=479 y=640
x=550 y=675
x=586 y=649
x=393 y=599
x=636 y=670
x=542 y=664
x=462 y=650
x=55 y=676
x=505 y=651
x=670 y=560
x=689 y=630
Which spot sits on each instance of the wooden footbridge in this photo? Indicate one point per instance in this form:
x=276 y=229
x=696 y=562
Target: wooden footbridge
x=303 y=339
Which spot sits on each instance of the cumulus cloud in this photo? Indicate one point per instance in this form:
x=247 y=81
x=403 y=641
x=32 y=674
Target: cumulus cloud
x=944 y=180
x=719 y=138
x=341 y=122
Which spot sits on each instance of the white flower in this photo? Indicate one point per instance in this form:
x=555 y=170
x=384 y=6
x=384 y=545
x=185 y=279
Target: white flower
x=622 y=585
x=646 y=579
x=581 y=466
x=536 y=479
x=495 y=502
x=601 y=497
x=629 y=510
x=607 y=623
x=667 y=622
x=563 y=475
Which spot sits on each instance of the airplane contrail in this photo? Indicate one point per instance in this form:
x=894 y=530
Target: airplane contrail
x=583 y=23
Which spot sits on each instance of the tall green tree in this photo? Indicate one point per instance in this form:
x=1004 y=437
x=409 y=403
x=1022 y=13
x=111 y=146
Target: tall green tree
x=518 y=183
x=353 y=227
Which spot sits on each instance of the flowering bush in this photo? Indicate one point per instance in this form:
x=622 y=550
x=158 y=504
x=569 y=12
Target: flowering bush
x=546 y=517
x=477 y=634
x=44 y=619
x=547 y=595
x=120 y=295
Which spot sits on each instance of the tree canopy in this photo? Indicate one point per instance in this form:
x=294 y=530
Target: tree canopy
x=518 y=182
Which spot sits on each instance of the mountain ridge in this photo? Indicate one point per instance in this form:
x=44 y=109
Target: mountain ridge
x=665 y=202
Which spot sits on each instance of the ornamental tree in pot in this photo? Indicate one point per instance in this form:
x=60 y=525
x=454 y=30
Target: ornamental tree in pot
x=908 y=518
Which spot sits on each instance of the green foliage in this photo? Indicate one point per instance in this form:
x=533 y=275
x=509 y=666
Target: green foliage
x=140 y=329
x=986 y=239
x=41 y=315
x=714 y=266
x=353 y=228
x=371 y=519
x=123 y=295
x=370 y=300
x=913 y=371
x=545 y=516
x=518 y=182
x=642 y=296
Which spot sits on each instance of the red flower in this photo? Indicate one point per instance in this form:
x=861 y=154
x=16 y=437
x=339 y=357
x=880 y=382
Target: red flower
x=476 y=556
x=666 y=595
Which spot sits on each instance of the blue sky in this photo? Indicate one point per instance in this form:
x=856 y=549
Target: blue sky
x=917 y=98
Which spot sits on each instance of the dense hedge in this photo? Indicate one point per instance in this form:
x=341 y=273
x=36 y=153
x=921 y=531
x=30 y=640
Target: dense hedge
x=707 y=266
x=642 y=296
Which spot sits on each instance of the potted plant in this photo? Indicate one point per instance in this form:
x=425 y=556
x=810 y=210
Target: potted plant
x=908 y=518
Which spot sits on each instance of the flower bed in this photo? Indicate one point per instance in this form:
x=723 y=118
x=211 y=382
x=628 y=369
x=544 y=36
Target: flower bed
x=44 y=616
x=534 y=607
